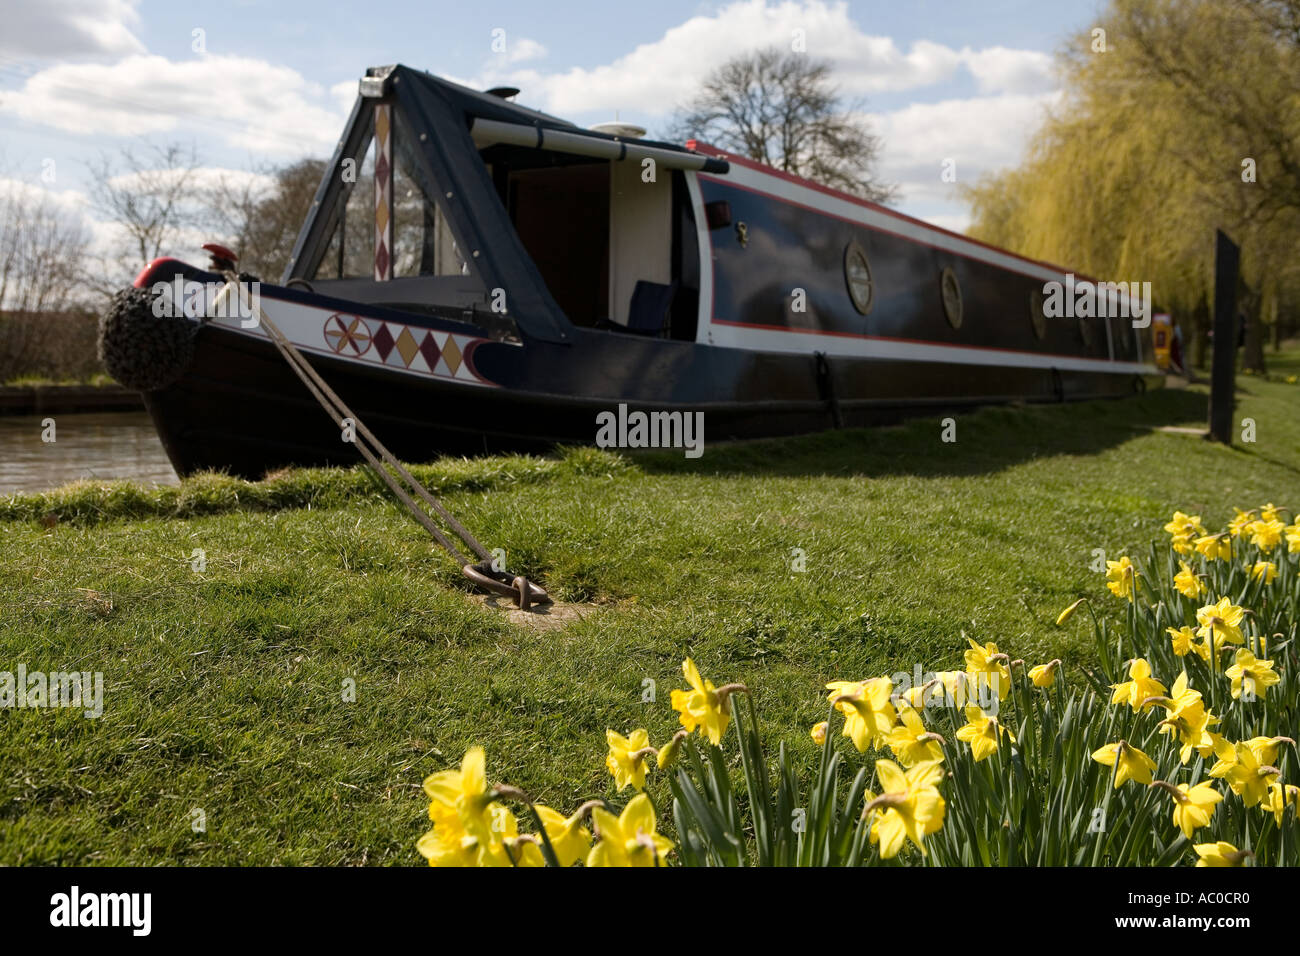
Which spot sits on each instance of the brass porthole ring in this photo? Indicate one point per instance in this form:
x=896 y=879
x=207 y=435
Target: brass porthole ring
x=1037 y=315
x=857 y=278
x=950 y=292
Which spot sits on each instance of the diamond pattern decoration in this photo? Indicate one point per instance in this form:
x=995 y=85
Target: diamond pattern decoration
x=425 y=351
x=429 y=349
x=383 y=341
x=383 y=193
x=451 y=355
x=406 y=346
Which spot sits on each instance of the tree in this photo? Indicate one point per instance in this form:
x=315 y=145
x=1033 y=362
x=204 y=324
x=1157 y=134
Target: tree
x=41 y=247
x=780 y=108
x=260 y=221
x=1189 y=121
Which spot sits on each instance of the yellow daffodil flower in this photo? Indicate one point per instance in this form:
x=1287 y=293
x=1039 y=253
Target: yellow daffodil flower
x=1187 y=719
x=1193 y=806
x=1130 y=763
x=626 y=759
x=867 y=707
x=1293 y=537
x=1182 y=638
x=818 y=733
x=1044 y=675
x=1223 y=620
x=1250 y=675
x=986 y=667
x=1220 y=854
x=910 y=808
x=459 y=799
x=1279 y=798
x=1183 y=529
x=1139 y=687
x=1215 y=547
x=1270 y=512
x=1241 y=522
x=570 y=840
x=1266 y=535
x=1186 y=581
x=703 y=705
x=628 y=839
x=1069 y=612
x=1248 y=776
x=910 y=742
x=1264 y=569
x=956 y=687
x=1121 y=578
x=982 y=731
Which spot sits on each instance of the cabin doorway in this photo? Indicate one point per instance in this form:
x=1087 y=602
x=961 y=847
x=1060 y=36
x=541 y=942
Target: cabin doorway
x=561 y=214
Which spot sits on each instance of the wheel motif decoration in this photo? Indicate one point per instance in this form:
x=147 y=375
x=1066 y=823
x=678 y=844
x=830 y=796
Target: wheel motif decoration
x=348 y=334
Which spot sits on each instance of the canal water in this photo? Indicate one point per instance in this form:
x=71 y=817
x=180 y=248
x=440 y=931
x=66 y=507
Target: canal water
x=100 y=446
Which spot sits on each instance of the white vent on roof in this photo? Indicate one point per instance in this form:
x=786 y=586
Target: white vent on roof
x=622 y=130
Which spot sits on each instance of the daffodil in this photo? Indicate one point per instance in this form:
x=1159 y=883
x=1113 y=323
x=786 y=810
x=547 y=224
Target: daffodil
x=956 y=687
x=986 y=666
x=867 y=707
x=818 y=733
x=1139 y=687
x=459 y=799
x=1183 y=529
x=1293 y=537
x=1266 y=535
x=628 y=839
x=1044 y=675
x=1187 y=718
x=1221 y=619
x=910 y=742
x=910 y=807
x=982 y=731
x=1250 y=676
x=1221 y=853
x=1270 y=512
x=1241 y=522
x=1248 y=776
x=1193 y=806
x=1182 y=638
x=626 y=759
x=1130 y=763
x=1264 y=569
x=1279 y=798
x=669 y=752
x=570 y=840
x=1121 y=578
x=704 y=705
x=1215 y=546
x=1069 y=612
x=1186 y=581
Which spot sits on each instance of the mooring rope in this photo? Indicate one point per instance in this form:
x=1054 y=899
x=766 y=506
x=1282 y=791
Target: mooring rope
x=523 y=592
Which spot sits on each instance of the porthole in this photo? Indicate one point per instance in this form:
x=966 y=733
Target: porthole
x=1085 y=331
x=857 y=277
x=1037 y=314
x=950 y=292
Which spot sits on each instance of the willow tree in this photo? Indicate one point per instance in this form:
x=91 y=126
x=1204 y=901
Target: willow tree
x=1182 y=117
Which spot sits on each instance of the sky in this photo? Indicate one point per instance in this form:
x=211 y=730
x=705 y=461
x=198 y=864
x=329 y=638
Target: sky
x=255 y=82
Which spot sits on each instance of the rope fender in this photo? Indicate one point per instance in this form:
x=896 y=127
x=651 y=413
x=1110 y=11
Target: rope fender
x=141 y=350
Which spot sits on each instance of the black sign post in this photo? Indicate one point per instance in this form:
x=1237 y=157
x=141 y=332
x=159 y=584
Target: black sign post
x=1223 y=367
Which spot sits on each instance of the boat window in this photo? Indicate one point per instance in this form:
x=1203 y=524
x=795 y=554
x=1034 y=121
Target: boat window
x=857 y=276
x=393 y=192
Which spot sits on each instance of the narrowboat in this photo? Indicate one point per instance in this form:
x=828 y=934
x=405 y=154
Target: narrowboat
x=475 y=276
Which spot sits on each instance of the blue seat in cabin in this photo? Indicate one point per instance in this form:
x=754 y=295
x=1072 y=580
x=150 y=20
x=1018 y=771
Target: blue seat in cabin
x=651 y=304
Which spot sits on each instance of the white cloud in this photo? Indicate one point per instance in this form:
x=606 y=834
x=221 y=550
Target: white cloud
x=45 y=29
x=657 y=76
x=250 y=103
x=979 y=134
x=1001 y=70
x=525 y=49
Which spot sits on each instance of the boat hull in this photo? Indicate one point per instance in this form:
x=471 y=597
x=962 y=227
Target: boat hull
x=239 y=407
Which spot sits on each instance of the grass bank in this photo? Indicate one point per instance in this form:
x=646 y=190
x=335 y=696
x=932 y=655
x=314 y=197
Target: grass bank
x=224 y=687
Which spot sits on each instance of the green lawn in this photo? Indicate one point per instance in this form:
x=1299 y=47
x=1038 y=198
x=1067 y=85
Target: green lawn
x=224 y=688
